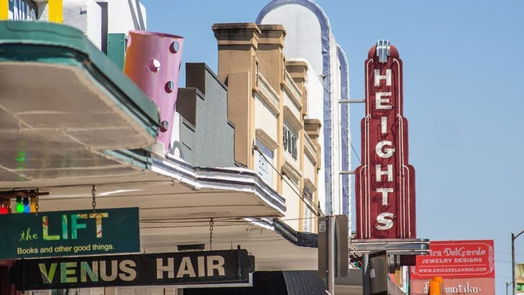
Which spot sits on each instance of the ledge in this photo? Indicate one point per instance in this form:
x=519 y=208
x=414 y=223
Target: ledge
x=393 y=246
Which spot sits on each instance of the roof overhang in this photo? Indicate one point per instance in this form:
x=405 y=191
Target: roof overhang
x=273 y=282
x=62 y=103
x=273 y=248
x=168 y=189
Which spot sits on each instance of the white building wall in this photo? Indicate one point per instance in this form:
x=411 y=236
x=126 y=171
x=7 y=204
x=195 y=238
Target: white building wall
x=94 y=23
x=124 y=17
x=86 y=15
x=315 y=93
x=303 y=37
x=336 y=127
x=304 y=41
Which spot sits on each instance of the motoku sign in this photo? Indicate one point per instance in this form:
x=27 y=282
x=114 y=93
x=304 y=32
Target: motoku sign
x=66 y=233
x=224 y=268
x=385 y=182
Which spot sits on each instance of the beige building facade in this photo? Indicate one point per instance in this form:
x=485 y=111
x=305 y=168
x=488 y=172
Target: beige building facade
x=267 y=103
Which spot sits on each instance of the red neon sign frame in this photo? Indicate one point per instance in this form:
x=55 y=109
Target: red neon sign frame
x=385 y=182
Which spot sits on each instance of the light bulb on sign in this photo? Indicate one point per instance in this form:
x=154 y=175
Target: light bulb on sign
x=19 y=205
x=33 y=202
x=27 y=209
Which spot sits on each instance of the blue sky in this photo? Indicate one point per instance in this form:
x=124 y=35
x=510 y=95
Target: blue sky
x=463 y=93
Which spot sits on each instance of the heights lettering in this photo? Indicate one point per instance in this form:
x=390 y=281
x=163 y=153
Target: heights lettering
x=385 y=182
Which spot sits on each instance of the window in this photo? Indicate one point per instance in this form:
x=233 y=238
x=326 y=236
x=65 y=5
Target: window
x=290 y=141
x=22 y=10
x=308 y=220
x=263 y=161
x=308 y=215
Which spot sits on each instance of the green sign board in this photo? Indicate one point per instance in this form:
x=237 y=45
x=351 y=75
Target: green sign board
x=65 y=233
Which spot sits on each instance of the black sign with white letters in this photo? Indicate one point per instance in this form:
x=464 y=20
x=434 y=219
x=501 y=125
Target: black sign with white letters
x=218 y=268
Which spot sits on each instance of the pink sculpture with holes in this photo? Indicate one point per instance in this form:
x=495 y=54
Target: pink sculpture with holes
x=153 y=62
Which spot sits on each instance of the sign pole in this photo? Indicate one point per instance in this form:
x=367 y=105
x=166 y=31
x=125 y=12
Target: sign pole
x=366 y=284
x=331 y=255
x=332 y=249
x=513 y=238
x=514 y=287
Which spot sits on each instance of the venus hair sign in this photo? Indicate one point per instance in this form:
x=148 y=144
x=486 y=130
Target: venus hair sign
x=226 y=268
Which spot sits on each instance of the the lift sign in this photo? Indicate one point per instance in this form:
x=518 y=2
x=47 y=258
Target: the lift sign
x=385 y=182
x=66 y=233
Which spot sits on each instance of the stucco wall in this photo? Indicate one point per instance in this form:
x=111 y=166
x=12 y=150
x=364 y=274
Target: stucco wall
x=289 y=191
x=315 y=92
x=309 y=37
x=264 y=119
x=291 y=105
x=86 y=15
x=125 y=15
x=205 y=137
x=309 y=169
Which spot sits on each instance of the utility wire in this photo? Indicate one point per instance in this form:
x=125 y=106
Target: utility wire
x=205 y=221
x=355 y=151
x=271 y=164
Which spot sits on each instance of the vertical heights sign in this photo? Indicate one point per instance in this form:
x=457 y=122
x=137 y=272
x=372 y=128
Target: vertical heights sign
x=385 y=182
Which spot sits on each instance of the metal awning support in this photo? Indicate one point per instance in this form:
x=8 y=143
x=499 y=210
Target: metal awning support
x=345 y=172
x=352 y=101
x=393 y=246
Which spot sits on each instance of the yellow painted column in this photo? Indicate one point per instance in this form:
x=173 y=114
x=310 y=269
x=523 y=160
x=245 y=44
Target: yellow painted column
x=55 y=11
x=4 y=9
